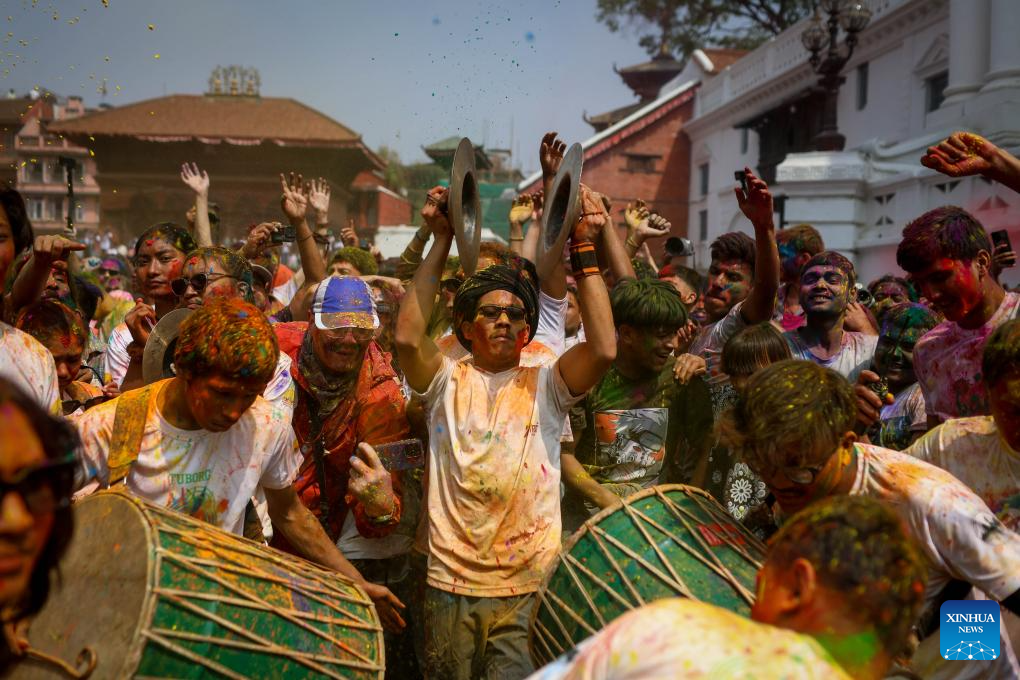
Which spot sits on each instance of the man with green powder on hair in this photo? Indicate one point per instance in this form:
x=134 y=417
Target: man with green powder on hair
x=639 y=426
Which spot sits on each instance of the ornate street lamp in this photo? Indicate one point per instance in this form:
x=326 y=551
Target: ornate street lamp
x=822 y=40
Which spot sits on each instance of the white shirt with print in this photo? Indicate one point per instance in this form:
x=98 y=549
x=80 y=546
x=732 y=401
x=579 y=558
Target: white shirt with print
x=29 y=365
x=855 y=353
x=710 y=340
x=493 y=478
x=208 y=475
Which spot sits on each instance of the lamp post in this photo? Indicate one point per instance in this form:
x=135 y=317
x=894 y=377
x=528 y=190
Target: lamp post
x=822 y=40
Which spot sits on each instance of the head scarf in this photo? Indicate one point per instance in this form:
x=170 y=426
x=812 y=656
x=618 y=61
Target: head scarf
x=518 y=276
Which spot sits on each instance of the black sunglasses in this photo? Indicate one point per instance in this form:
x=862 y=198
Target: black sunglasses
x=198 y=282
x=72 y=405
x=44 y=488
x=493 y=312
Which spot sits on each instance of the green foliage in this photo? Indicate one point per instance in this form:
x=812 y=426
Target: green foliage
x=681 y=26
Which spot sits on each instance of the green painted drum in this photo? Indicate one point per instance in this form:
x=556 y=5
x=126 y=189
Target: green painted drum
x=666 y=541
x=156 y=594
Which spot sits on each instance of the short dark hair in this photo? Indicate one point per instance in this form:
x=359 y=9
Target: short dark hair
x=734 y=246
x=647 y=303
x=831 y=258
x=230 y=337
x=803 y=237
x=13 y=205
x=1002 y=352
x=859 y=547
x=59 y=440
x=792 y=413
x=949 y=232
x=754 y=348
x=907 y=285
x=689 y=276
x=361 y=259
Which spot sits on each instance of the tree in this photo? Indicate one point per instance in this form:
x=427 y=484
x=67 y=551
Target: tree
x=681 y=26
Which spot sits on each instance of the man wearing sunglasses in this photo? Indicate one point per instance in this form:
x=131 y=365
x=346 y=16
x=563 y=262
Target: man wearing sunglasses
x=794 y=427
x=493 y=478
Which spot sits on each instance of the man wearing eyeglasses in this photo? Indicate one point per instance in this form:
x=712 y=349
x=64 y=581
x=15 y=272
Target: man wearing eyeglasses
x=493 y=476
x=794 y=427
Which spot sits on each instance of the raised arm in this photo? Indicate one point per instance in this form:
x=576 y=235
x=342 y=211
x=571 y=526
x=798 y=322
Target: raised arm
x=757 y=207
x=31 y=281
x=419 y=357
x=584 y=364
x=520 y=214
x=198 y=181
x=965 y=153
x=613 y=253
x=318 y=198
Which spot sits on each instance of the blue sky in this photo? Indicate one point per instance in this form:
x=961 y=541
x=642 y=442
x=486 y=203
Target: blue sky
x=401 y=73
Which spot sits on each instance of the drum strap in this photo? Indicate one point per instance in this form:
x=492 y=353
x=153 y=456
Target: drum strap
x=128 y=429
x=318 y=455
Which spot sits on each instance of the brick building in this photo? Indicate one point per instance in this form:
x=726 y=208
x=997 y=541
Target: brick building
x=243 y=140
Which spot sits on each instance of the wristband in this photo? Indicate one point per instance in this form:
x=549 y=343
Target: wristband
x=630 y=242
x=381 y=519
x=583 y=261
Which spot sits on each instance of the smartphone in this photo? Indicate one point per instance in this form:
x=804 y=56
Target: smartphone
x=742 y=178
x=286 y=234
x=1000 y=238
x=406 y=454
x=363 y=244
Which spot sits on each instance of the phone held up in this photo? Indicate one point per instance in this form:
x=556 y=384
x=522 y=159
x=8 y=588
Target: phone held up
x=406 y=454
x=284 y=234
x=1000 y=238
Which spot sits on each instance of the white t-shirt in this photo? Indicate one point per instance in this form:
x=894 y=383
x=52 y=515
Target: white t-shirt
x=947 y=363
x=958 y=535
x=681 y=638
x=493 y=477
x=975 y=453
x=710 y=340
x=552 y=316
x=28 y=364
x=855 y=353
x=117 y=357
x=208 y=475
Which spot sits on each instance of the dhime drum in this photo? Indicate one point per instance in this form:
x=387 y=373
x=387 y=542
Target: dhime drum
x=666 y=541
x=151 y=593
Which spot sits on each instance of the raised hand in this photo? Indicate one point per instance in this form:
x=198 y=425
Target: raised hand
x=140 y=321
x=197 y=180
x=295 y=197
x=593 y=216
x=522 y=209
x=1003 y=257
x=550 y=154
x=869 y=404
x=48 y=249
x=757 y=204
x=318 y=196
x=635 y=213
x=260 y=238
x=348 y=236
x=962 y=154
x=370 y=482
x=434 y=212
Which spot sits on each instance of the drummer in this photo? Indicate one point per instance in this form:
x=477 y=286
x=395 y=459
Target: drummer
x=794 y=428
x=837 y=595
x=202 y=442
x=492 y=487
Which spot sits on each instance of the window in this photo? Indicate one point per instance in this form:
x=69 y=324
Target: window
x=33 y=172
x=35 y=208
x=79 y=212
x=703 y=225
x=29 y=141
x=641 y=162
x=744 y=134
x=56 y=209
x=703 y=179
x=862 y=86
x=934 y=91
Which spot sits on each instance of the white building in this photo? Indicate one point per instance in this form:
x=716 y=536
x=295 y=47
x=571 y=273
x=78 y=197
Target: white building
x=921 y=70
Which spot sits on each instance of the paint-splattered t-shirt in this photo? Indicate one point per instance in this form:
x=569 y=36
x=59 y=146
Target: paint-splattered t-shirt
x=28 y=364
x=208 y=475
x=947 y=362
x=900 y=421
x=681 y=638
x=855 y=353
x=710 y=340
x=626 y=430
x=974 y=451
x=493 y=477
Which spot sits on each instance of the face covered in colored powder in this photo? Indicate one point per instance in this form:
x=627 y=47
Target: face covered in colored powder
x=57 y=286
x=217 y=402
x=888 y=295
x=797 y=486
x=789 y=263
x=825 y=291
x=23 y=534
x=6 y=244
x=1004 y=400
x=729 y=282
x=340 y=350
x=66 y=350
x=218 y=282
x=496 y=338
x=647 y=348
x=894 y=355
x=157 y=263
x=953 y=287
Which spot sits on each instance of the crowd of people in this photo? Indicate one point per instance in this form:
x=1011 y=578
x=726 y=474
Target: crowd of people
x=435 y=434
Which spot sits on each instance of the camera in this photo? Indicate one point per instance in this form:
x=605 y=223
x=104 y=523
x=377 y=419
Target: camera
x=863 y=295
x=679 y=247
x=283 y=234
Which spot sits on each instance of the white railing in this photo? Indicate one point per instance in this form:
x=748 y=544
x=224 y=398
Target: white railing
x=772 y=59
